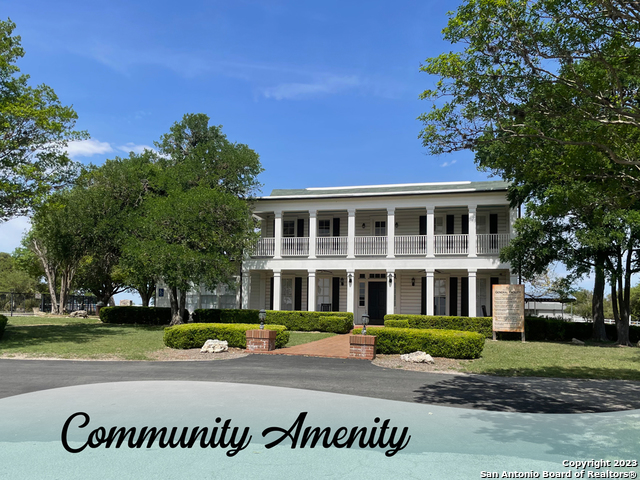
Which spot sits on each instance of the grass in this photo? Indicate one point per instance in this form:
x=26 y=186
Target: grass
x=298 y=338
x=88 y=338
x=50 y=320
x=560 y=360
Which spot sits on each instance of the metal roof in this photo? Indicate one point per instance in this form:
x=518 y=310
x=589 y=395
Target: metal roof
x=396 y=189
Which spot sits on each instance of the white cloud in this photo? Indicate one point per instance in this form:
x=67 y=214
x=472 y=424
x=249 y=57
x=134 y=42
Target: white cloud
x=11 y=233
x=132 y=147
x=328 y=85
x=88 y=148
x=448 y=164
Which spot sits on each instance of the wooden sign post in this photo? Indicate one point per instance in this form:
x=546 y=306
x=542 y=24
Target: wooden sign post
x=508 y=309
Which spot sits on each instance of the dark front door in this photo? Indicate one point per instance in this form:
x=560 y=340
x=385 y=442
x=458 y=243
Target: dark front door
x=377 y=302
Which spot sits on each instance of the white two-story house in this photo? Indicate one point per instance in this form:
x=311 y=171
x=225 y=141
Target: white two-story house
x=423 y=248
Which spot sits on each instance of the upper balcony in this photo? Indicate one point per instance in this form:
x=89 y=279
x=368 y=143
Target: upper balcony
x=418 y=231
x=404 y=245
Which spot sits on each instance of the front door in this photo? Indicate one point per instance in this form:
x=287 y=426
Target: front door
x=377 y=302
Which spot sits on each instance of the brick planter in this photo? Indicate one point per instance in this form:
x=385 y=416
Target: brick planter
x=261 y=340
x=362 y=346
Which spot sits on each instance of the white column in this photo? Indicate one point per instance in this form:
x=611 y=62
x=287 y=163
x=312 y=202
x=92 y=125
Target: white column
x=351 y=234
x=472 y=231
x=311 y=300
x=351 y=285
x=246 y=289
x=276 y=290
x=313 y=224
x=513 y=279
x=472 y=293
x=513 y=216
x=430 y=232
x=391 y=233
x=264 y=301
x=430 y=289
x=277 y=233
x=391 y=288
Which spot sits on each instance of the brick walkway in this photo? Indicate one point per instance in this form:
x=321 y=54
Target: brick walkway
x=333 y=347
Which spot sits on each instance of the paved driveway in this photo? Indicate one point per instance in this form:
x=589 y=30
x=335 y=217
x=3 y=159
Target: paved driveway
x=352 y=377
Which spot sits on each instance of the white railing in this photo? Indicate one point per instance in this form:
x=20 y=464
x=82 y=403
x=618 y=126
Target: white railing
x=295 y=246
x=265 y=247
x=331 y=246
x=371 y=245
x=411 y=245
x=491 y=243
x=451 y=244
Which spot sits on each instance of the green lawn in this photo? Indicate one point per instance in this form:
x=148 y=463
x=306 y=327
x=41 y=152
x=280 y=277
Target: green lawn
x=50 y=320
x=74 y=338
x=298 y=338
x=562 y=360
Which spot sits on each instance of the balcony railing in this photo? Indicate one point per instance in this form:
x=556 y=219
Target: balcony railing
x=491 y=243
x=265 y=247
x=486 y=244
x=371 y=245
x=295 y=246
x=411 y=245
x=451 y=244
x=331 y=246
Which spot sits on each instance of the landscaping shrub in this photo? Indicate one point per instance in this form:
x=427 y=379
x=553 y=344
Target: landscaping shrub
x=293 y=320
x=139 y=315
x=194 y=335
x=482 y=325
x=3 y=323
x=435 y=342
x=557 y=330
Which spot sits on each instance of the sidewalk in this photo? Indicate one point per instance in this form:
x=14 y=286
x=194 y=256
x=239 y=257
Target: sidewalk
x=332 y=347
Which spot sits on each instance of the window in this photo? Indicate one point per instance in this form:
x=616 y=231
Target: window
x=380 y=228
x=361 y=296
x=287 y=294
x=289 y=228
x=323 y=293
x=439 y=296
x=324 y=228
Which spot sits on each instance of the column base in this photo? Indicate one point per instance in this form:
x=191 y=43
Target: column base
x=362 y=346
x=261 y=340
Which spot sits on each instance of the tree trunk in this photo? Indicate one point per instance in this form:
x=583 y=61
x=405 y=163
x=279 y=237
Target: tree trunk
x=624 y=293
x=51 y=272
x=597 y=303
x=177 y=306
x=144 y=297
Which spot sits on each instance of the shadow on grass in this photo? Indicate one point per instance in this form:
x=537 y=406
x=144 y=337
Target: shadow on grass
x=16 y=337
x=532 y=395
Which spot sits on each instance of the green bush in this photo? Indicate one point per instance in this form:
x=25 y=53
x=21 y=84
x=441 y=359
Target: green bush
x=482 y=325
x=3 y=323
x=194 y=335
x=435 y=342
x=139 y=315
x=31 y=303
x=396 y=323
x=293 y=320
x=557 y=330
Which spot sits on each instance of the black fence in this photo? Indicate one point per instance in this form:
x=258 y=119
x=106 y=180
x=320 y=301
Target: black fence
x=12 y=303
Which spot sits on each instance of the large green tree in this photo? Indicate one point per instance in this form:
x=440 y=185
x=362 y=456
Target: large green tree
x=196 y=227
x=545 y=93
x=34 y=131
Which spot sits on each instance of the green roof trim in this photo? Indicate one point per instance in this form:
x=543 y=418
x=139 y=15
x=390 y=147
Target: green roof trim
x=399 y=189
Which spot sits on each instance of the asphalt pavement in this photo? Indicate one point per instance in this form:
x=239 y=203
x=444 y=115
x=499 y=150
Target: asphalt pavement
x=351 y=377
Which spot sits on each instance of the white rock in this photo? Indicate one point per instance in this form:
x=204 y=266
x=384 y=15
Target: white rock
x=417 y=357
x=79 y=313
x=575 y=341
x=214 y=346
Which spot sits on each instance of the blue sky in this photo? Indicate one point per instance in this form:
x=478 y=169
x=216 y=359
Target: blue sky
x=326 y=92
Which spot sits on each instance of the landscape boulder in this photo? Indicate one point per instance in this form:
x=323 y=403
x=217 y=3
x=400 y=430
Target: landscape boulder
x=575 y=341
x=214 y=346
x=79 y=313
x=417 y=357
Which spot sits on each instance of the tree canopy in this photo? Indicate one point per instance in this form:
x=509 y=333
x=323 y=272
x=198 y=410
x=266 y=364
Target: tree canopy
x=545 y=93
x=196 y=227
x=34 y=131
